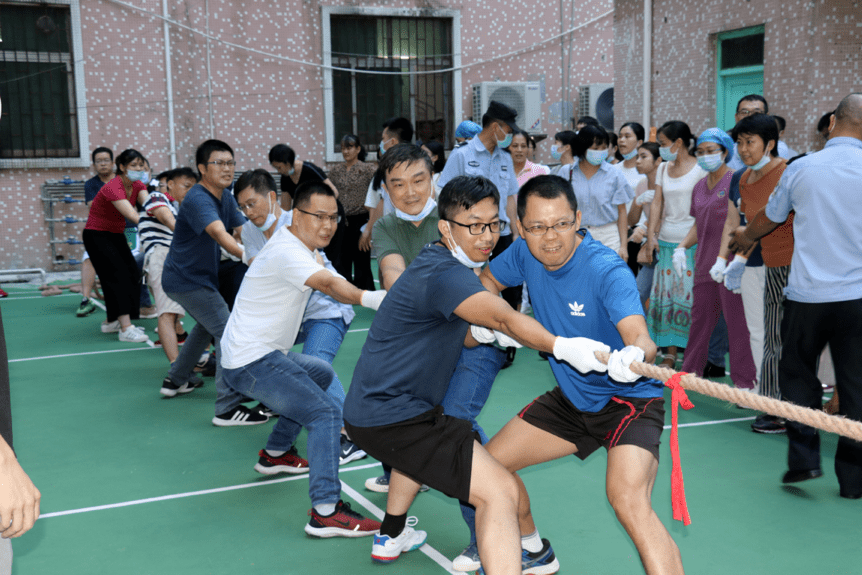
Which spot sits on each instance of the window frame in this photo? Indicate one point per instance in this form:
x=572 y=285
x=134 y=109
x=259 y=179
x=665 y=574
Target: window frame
x=330 y=155
x=723 y=74
x=77 y=59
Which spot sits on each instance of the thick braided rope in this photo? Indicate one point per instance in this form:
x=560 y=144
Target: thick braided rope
x=812 y=417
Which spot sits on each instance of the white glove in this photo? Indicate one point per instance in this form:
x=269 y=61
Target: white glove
x=679 y=265
x=733 y=274
x=372 y=299
x=244 y=256
x=716 y=272
x=482 y=334
x=620 y=360
x=645 y=198
x=504 y=340
x=579 y=352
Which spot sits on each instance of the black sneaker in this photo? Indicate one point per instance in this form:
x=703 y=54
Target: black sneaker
x=207 y=369
x=240 y=415
x=349 y=452
x=195 y=381
x=769 y=424
x=264 y=410
x=711 y=370
x=510 y=357
x=171 y=389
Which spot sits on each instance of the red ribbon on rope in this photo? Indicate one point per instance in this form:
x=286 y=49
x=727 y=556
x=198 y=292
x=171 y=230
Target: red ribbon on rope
x=678 y=397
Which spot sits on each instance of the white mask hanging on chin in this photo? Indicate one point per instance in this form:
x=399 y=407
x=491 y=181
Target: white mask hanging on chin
x=429 y=205
x=270 y=217
x=458 y=253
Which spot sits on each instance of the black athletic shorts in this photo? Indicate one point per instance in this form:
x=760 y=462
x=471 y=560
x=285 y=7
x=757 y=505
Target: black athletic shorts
x=431 y=448
x=623 y=421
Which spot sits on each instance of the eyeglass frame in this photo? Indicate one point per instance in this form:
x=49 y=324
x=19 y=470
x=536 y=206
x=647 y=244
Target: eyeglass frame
x=487 y=226
x=335 y=219
x=532 y=230
x=223 y=163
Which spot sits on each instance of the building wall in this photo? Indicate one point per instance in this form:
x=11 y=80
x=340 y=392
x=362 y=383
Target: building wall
x=255 y=101
x=813 y=58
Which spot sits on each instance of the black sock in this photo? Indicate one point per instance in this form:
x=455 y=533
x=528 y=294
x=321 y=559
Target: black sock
x=85 y=299
x=393 y=525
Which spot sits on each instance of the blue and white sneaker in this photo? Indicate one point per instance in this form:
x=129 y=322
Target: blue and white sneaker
x=468 y=560
x=543 y=562
x=387 y=549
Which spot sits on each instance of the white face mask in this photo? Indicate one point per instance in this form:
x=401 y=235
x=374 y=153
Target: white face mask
x=763 y=161
x=458 y=253
x=270 y=217
x=429 y=205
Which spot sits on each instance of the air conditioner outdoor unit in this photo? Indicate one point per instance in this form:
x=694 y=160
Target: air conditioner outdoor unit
x=524 y=97
x=597 y=100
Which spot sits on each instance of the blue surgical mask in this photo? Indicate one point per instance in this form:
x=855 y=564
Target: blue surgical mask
x=763 y=161
x=631 y=155
x=555 y=152
x=666 y=154
x=596 y=157
x=505 y=142
x=142 y=176
x=291 y=171
x=270 y=217
x=429 y=205
x=459 y=254
x=711 y=162
x=380 y=150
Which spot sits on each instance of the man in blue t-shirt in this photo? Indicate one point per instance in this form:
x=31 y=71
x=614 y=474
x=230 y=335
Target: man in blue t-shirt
x=393 y=408
x=582 y=290
x=190 y=275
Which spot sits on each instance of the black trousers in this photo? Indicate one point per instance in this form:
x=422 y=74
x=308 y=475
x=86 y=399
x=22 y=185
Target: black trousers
x=805 y=330
x=115 y=265
x=512 y=295
x=356 y=264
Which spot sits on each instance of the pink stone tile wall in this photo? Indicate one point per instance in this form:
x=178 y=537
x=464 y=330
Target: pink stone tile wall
x=257 y=101
x=813 y=58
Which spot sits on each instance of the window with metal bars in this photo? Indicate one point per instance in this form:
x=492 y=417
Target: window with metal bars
x=37 y=83
x=362 y=102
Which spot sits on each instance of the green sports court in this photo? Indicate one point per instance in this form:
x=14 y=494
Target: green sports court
x=136 y=484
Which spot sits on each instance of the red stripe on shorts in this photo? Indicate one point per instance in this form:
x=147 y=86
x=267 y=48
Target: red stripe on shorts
x=626 y=421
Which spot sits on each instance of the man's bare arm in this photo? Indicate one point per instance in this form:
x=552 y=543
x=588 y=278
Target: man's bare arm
x=491 y=311
x=391 y=268
x=217 y=231
x=633 y=330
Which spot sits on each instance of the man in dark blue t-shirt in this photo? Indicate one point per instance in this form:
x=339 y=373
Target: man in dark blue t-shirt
x=190 y=276
x=581 y=289
x=393 y=409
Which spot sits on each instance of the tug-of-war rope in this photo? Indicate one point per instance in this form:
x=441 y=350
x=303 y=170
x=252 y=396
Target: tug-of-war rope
x=679 y=382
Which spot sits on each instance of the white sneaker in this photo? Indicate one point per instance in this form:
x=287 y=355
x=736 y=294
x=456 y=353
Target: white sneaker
x=386 y=549
x=110 y=327
x=468 y=560
x=133 y=335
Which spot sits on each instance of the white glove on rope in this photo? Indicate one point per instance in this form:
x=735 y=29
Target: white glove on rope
x=244 y=256
x=482 y=334
x=645 y=198
x=679 y=265
x=620 y=360
x=372 y=299
x=579 y=352
x=716 y=272
x=733 y=274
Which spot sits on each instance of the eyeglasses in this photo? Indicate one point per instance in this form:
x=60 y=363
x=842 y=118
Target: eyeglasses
x=97 y=162
x=248 y=206
x=479 y=229
x=542 y=230
x=334 y=218
x=223 y=164
x=745 y=112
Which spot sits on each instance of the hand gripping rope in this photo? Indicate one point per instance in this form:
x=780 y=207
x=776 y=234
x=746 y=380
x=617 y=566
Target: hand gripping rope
x=679 y=382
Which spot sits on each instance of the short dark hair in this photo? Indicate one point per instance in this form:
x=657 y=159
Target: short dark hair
x=782 y=123
x=762 y=125
x=184 y=172
x=586 y=137
x=128 y=156
x=100 y=150
x=464 y=192
x=282 y=153
x=401 y=127
x=403 y=153
x=259 y=180
x=566 y=137
x=205 y=150
x=305 y=190
x=652 y=148
x=676 y=130
x=548 y=188
x=754 y=98
x=823 y=123
x=352 y=140
x=588 y=120
x=166 y=175
x=640 y=134
x=436 y=149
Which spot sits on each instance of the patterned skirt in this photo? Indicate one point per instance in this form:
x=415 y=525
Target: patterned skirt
x=669 y=316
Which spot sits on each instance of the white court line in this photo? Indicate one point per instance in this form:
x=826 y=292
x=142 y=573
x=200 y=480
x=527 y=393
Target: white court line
x=13 y=298
x=714 y=422
x=193 y=493
x=432 y=553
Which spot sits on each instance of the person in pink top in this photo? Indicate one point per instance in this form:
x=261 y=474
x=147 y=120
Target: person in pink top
x=520 y=149
x=106 y=244
x=709 y=210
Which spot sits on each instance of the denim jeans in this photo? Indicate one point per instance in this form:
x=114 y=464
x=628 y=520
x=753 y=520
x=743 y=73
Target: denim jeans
x=644 y=282
x=322 y=338
x=294 y=386
x=718 y=343
x=209 y=310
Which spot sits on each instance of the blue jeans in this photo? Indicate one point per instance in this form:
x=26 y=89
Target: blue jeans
x=294 y=386
x=209 y=310
x=322 y=338
x=718 y=343
x=644 y=281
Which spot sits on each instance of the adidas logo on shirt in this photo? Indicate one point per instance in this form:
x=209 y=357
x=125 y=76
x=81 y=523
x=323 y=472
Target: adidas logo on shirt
x=577 y=310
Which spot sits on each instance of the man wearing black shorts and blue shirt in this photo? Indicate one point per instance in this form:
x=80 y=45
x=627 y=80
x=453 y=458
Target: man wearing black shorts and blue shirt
x=393 y=408
x=582 y=289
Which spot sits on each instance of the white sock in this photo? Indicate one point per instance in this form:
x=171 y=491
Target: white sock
x=532 y=543
x=272 y=453
x=325 y=509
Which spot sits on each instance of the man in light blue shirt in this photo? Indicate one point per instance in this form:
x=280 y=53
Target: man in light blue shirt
x=824 y=290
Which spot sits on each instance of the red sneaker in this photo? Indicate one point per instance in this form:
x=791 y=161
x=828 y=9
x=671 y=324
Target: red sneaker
x=3 y=293
x=343 y=523
x=290 y=462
